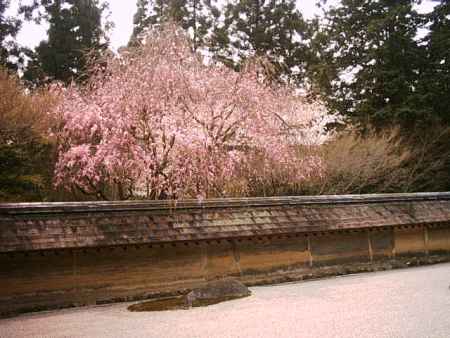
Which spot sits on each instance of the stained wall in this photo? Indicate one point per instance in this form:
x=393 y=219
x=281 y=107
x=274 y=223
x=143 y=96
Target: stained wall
x=59 y=258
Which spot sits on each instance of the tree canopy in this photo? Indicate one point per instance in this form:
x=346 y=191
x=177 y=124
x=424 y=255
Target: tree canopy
x=195 y=16
x=10 y=52
x=158 y=122
x=370 y=61
x=75 y=34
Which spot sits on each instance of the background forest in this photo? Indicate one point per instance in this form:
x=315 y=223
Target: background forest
x=225 y=98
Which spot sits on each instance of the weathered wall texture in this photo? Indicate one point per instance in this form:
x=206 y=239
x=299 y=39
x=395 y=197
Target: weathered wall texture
x=65 y=254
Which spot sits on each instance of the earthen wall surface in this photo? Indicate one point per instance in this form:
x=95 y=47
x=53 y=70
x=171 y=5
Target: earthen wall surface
x=69 y=254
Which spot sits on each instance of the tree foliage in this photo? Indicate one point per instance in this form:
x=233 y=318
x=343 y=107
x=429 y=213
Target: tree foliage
x=234 y=31
x=158 y=123
x=10 y=52
x=194 y=16
x=75 y=35
x=155 y=121
x=25 y=150
x=371 y=62
x=435 y=80
x=273 y=29
x=382 y=162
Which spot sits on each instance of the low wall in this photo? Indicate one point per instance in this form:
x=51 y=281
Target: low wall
x=68 y=254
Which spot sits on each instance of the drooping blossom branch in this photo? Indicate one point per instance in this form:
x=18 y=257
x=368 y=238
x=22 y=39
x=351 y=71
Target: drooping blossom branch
x=158 y=122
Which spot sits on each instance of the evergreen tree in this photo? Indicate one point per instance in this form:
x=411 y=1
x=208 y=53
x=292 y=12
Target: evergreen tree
x=140 y=20
x=75 y=30
x=191 y=15
x=273 y=29
x=240 y=29
x=435 y=84
x=370 y=62
x=9 y=49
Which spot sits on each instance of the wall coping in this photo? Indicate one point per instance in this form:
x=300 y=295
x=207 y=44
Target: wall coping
x=43 y=226
x=118 y=206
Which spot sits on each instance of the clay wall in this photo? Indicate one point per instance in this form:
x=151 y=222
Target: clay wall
x=50 y=273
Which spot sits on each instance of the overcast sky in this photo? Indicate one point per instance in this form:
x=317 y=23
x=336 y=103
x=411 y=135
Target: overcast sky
x=122 y=12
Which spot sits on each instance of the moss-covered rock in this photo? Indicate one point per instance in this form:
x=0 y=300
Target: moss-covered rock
x=216 y=292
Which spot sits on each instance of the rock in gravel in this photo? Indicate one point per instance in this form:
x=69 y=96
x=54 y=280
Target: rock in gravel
x=217 y=291
x=210 y=293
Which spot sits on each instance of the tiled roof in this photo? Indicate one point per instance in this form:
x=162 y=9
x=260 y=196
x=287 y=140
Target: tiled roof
x=39 y=226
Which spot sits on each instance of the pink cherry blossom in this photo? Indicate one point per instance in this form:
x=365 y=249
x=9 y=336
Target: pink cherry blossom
x=158 y=122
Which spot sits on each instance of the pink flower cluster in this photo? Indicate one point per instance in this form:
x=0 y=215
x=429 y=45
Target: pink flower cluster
x=157 y=122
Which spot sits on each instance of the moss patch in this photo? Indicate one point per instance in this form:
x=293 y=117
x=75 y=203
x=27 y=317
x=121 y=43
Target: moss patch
x=171 y=303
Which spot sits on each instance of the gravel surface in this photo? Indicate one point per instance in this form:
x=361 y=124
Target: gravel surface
x=409 y=303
